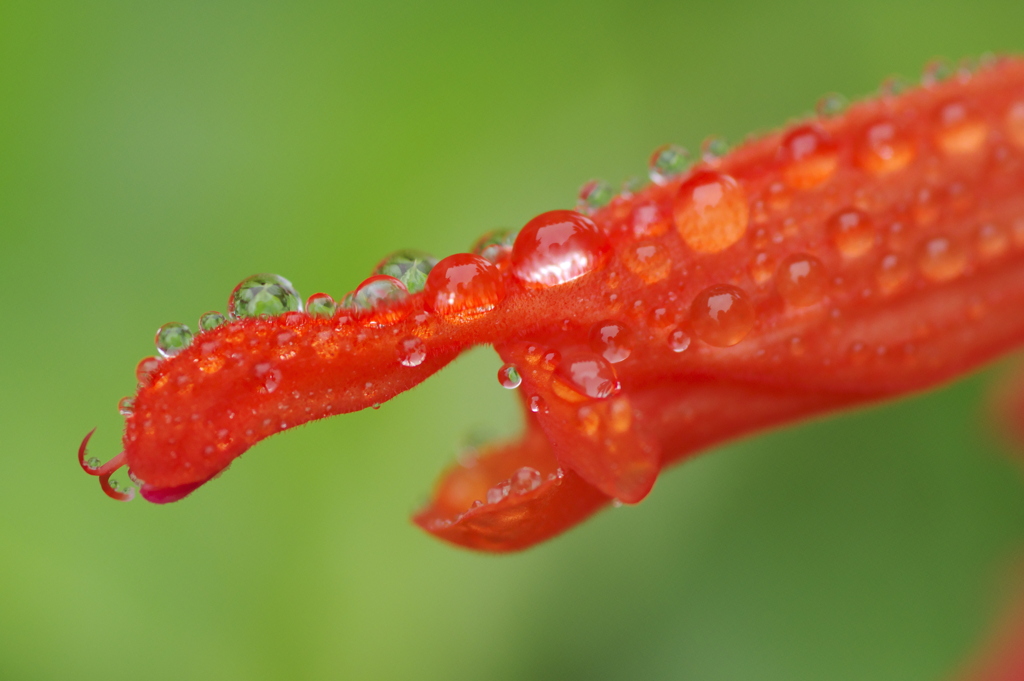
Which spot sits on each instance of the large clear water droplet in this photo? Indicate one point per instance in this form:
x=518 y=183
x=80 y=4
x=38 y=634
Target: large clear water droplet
x=558 y=247
x=464 y=287
x=264 y=295
x=722 y=315
x=172 y=338
x=588 y=374
x=409 y=266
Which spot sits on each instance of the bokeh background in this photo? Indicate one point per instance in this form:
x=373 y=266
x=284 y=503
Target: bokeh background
x=153 y=154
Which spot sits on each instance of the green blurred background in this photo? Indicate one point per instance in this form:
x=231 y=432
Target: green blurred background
x=154 y=154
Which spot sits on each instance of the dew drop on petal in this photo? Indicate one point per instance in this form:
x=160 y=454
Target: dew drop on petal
x=588 y=374
x=525 y=480
x=959 y=130
x=648 y=260
x=649 y=220
x=269 y=375
x=667 y=163
x=678 y=341
x=992 y=241
x=211 y=320
x=711 y=211
x=595 y=194
x=831 y=105
x=761 y=268
x=145 y=368
x=412 y=351
x=321 y=306
x=172 y=338
x=893 y=272
x=722 y=315
x=495 y=245
x=801 y=280
x=936 y=71
x=509 y=377
x=409 y=266
x=884 y=148
x=852 y=232
x=538 y=405
x=941 y=259
x=612 y=340
x=497 y=493
x=557 y=247
x=464 y=287
x=126 y=406
x=809 y=157
x=713 y=148
x=893 y=86
x=263 y=295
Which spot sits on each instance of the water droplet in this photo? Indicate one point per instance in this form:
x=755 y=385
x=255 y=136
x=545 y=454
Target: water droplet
x=1015 y=123
x=321 y=305
x=612 y=340
x=852 y=232
x=464 y=287
x=649 y=220
x=667 y=163
x=893 y=86
x=801 y=280
x=713 y=149
x=538 y=405
x=809 y=157
x=588 y=374
x=678 y=341
x=722 y=315
x=126 y=406
x=711 y=211
x=595 y=194
x=381 y=299
x=525 y=480
x=211 y=320
x=411 y=351
x=940 y=259
x=558 y=247
x=992 y=241
x=93 y=462
x=936 y=71
x=648 y=260
x=497 y=493
x=263 y=294
x=411 y=267
x=172 y=338
x=495 y=245
x=831 y=105
x=270 y=376
x=893 y=273
x=884 y=148
x=509 y=377
x=145 y=368
x=761 y=268
x=959 y=129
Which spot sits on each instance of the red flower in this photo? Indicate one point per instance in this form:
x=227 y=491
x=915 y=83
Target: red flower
x=843 y=261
